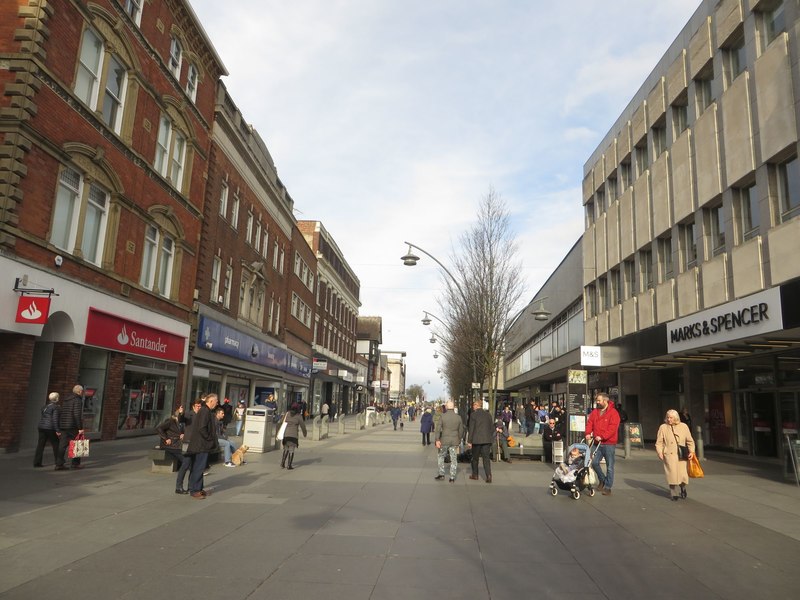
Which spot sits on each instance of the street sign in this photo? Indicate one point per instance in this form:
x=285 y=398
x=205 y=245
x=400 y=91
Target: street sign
x=476 y=386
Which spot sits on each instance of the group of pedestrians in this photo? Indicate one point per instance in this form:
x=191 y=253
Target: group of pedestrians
x=60 y=422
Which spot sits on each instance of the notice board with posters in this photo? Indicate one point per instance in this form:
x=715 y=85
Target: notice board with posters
x=635 y=434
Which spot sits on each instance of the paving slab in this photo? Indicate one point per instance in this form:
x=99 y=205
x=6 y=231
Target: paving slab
x=362 y=517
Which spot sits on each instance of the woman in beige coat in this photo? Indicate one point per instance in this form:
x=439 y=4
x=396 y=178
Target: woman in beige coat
x=671 y=434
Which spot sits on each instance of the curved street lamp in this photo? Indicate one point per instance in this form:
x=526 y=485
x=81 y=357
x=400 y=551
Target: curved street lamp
x=410 y=260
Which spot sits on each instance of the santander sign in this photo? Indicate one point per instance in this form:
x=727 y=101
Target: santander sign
x=117 y=333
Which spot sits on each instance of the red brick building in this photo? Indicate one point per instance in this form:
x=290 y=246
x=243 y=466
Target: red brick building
x=256 y=274
x=106 y=110
x=337 y=304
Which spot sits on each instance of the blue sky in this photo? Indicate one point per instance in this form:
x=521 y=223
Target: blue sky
x=389 y=120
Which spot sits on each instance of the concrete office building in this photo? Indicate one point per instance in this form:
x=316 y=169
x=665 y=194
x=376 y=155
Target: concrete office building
x=692 y=201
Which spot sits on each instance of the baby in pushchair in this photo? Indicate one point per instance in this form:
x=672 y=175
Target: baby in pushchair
x=567 y=471
x=572 y=474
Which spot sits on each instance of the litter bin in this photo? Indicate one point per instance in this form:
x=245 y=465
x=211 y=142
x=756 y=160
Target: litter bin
x=257 y=430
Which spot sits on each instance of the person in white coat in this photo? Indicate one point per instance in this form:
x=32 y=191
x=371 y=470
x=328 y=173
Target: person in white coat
x=670 y=435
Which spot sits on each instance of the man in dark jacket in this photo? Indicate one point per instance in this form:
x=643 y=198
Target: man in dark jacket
x=530 y=418
x=550 y=434
x=70 y=421
x=481 y=436
x=203 y=440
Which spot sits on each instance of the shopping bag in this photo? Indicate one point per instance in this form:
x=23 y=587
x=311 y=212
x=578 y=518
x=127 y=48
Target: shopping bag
x=281 y=431
x=694 y=469
x=591 y=477
x=78 y=447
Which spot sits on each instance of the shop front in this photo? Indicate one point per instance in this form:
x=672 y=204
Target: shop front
x=242 y=367
x=128 y=358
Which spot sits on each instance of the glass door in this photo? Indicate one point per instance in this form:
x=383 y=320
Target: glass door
x=765 y=431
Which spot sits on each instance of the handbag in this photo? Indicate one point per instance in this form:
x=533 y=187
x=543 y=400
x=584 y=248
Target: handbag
x=78 y=447
x=591 y=477
x=694 y=469
x=281 y=431
x=683 y=451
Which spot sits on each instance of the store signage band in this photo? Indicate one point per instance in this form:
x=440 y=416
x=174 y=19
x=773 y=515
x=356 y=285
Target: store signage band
x=754 y=315
x=117 y=333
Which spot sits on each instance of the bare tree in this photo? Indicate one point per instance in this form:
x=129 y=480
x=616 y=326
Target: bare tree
x=480 y=303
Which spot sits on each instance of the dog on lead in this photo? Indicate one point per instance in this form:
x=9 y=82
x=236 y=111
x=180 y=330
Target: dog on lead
x=237 y=457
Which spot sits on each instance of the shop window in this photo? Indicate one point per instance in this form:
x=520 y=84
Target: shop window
x=80 y=216
x=148 y=395
x=101 y=79
x=92 y=376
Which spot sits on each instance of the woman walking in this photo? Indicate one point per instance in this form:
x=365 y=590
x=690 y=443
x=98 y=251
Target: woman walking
x=426 y=426
x=171 y=434
x=48 y=429
x=294 y=423
x=671 y=435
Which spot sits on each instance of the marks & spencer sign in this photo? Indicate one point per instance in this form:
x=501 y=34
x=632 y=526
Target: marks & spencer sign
x=117 y=333
x=754 y=315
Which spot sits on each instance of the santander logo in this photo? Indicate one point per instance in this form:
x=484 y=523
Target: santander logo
x=31 y=313
x=140 y=341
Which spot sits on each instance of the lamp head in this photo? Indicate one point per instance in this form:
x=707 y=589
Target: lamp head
x=426 y=320
x=435 y=355
x=409 y=259
x=433 y=339
x=541 y=313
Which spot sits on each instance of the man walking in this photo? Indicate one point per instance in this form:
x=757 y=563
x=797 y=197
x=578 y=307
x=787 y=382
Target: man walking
x=481 y=436
x=447 y=436
x=70 y=421
x=603 y=425
x=203 y=440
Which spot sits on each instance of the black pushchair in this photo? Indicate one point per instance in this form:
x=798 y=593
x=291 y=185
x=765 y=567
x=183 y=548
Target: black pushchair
x=577 y=480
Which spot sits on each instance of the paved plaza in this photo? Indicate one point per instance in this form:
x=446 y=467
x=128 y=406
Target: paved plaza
x=362 y=517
